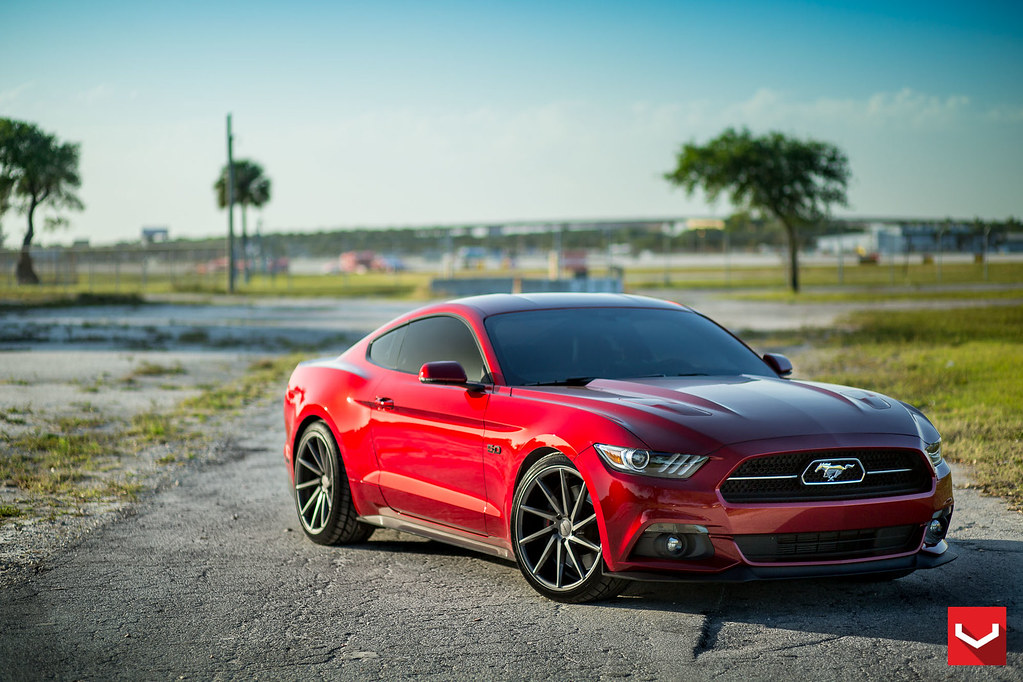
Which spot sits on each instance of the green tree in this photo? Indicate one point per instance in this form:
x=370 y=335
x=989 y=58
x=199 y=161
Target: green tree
x=36 y=170
x=6 y=171
x=6 y=190
x=251 y=188
x=794 y=181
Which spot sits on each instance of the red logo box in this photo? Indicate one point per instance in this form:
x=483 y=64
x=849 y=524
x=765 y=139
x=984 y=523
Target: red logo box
x=976 y=635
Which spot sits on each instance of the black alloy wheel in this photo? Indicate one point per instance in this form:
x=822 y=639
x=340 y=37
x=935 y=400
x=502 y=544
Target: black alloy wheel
x=322 y=494
x=555 y=535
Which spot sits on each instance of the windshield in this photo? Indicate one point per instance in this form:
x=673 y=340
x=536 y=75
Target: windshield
x=574 y=346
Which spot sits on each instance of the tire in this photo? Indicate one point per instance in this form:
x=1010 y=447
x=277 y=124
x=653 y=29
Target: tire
x=555 y=536
x=323 y=497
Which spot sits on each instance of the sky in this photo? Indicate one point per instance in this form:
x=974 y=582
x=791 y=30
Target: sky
x=377 y=114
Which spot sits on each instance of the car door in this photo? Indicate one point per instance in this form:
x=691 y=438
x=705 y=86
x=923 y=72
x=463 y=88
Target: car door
x=429 y=438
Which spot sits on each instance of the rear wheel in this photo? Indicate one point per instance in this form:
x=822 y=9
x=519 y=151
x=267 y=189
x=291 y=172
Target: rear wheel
x=322 y=493
x=555 y=536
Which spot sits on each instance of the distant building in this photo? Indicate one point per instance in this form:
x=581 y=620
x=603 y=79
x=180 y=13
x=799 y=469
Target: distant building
x=705 y=224
x=1013 y=243
x=906 y=238
x=155 y=235
x=876 y=238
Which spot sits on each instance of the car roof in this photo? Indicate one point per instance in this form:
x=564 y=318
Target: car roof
x=495 y=304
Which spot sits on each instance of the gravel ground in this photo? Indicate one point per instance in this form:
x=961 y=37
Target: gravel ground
x=213 y=579
x=111 y=363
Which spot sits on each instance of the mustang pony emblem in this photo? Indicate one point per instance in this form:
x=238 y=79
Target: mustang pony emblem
x=831 y=471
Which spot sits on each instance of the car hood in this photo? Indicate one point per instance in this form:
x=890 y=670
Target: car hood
x=716 y=411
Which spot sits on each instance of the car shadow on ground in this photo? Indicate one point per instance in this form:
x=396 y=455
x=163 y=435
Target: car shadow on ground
x=912 y=609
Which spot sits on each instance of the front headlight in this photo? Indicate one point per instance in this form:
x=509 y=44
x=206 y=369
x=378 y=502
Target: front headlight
x=933 y=452
x=661 y=464
x=929 y=435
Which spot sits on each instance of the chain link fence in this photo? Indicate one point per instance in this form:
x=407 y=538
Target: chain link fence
x=136 y=268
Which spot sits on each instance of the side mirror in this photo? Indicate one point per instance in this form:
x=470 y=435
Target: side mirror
x=779 y=363
x=446 y=373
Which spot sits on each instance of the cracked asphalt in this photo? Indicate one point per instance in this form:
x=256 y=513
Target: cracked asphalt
x=211 y=578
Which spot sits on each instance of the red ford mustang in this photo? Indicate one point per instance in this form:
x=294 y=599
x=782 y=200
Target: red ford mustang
x=602 y=438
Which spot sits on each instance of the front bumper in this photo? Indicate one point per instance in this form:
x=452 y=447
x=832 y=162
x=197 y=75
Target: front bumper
x=631 y=504
x=923 y=559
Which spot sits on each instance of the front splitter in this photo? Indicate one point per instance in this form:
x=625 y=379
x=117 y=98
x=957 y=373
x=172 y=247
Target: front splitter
x=738 y=574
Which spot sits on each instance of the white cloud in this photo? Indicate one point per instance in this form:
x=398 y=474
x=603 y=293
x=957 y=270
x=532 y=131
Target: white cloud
x=12 y=95
x=96 y=94
x=906 y=109
x=915 y=109
x=1005 y=115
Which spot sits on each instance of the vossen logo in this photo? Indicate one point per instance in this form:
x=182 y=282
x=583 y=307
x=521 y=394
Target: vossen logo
x=976 y=635
x=834 y=471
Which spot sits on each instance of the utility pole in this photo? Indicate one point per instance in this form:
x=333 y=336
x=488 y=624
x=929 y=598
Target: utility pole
x=555 y=259
x=987 y=238
x=728 y=260
x=666 y=236
x=941 y=239
x=230 y=208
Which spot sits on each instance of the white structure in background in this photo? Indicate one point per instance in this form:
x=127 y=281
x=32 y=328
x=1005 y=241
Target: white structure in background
x=155 y=235
x=877 y=238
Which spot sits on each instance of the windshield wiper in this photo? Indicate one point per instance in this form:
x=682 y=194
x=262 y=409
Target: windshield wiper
x=569 y=381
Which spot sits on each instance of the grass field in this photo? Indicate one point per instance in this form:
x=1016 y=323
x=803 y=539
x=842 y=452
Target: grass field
x=871 y=294
x=874 y=276
x=963 y=368
x=59 y=462
x=760 y=283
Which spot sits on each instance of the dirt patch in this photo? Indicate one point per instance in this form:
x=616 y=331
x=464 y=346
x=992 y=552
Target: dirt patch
x=102 y=404
x=85 y=434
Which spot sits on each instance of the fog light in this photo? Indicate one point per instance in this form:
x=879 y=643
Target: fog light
x=670 y=546
x=674 y=541
x=938 y=527
x=935 y=532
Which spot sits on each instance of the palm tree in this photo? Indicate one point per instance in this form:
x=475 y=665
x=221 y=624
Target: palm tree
x=251 y=188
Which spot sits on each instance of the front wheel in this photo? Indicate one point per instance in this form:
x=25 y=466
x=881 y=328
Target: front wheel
x=322 y=493
x=555 y=535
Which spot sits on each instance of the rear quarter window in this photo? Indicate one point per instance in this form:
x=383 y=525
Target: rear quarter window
x=384 y=349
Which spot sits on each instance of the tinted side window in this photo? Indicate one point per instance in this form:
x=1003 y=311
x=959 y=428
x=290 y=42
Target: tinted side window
x=440 y=338
x=384 y=350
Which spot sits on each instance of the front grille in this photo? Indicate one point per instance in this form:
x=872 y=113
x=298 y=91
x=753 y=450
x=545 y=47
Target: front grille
x=778 y=478
x=830 y=545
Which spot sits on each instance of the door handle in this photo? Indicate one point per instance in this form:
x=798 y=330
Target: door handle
x=385 y=403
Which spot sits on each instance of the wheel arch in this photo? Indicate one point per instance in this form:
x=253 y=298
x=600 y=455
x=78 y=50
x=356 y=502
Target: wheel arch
x=306 y=422
x=530 y=459
x=309 y=417
x=540 y=450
